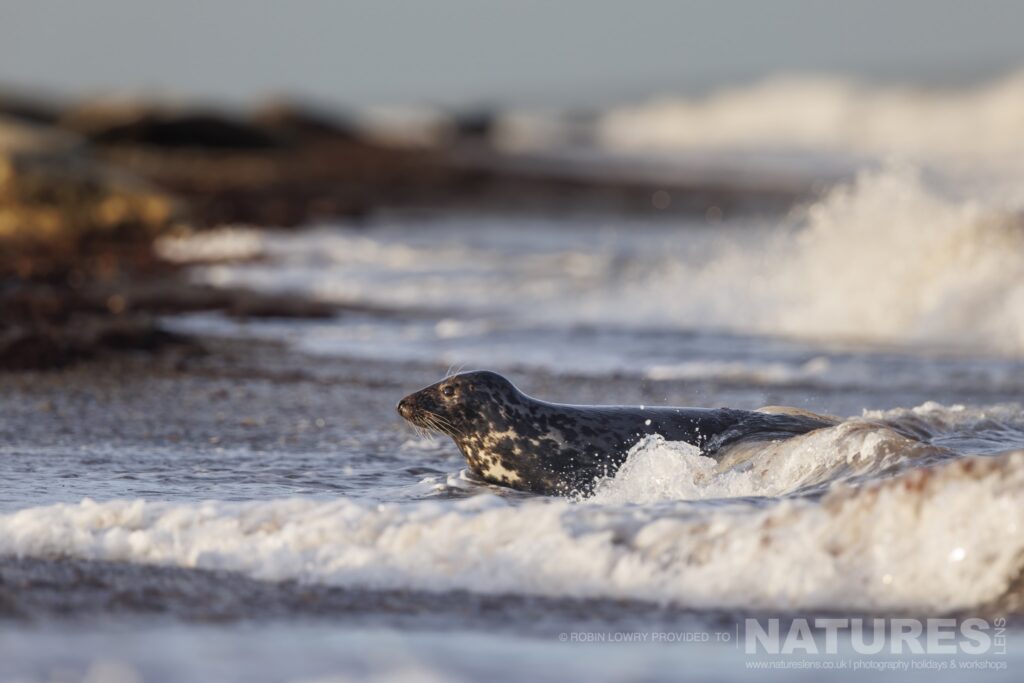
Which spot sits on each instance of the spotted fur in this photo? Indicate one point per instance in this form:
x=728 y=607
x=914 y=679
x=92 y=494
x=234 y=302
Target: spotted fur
x=511 y=439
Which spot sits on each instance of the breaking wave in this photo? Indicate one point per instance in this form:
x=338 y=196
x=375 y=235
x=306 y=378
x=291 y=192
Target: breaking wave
x=891 y=258
x=830 y=113
x=659 y=470
x=893 y=523
x=888 y=258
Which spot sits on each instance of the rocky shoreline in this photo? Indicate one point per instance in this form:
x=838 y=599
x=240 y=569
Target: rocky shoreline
x=86 y=188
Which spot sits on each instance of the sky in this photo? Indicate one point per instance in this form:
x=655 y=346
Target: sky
x=561 y=53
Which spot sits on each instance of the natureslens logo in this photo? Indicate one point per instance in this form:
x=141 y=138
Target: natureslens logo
x=838 y=643
x=824 y=636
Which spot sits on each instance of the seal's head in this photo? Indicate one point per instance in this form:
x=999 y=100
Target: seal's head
x=462 y=405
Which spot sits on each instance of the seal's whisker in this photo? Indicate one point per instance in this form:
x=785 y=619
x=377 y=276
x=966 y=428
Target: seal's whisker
x=445 y=425
x=452 y=370
x=431 y=421
x=452 y=429
x=448 y=428
x=417 y=430
x=441 y=424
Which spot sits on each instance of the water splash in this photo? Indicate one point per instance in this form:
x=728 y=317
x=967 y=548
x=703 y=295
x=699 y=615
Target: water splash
x=888 y=258
x=831 y=113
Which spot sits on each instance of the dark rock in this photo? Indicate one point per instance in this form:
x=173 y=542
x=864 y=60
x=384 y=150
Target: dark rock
x=154 y=126
x=29 y=107
x=40 y=346
x=171 y=295
x=475 y=125
x=34 y=349
x=302 y=123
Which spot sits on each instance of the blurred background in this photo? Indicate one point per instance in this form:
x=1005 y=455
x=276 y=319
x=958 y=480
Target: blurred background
x=233 y=234
x=614 y=126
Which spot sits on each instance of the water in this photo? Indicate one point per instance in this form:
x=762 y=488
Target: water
x=893 y=301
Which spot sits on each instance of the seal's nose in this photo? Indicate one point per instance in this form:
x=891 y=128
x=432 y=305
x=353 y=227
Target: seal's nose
x=404 y=407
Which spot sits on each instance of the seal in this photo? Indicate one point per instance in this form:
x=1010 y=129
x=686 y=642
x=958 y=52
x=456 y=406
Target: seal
x=511 y=439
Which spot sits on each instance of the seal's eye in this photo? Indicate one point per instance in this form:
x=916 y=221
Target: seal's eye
x=448 y=391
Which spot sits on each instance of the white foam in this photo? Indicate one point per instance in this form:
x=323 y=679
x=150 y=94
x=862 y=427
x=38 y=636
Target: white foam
x=223 y=244
x=891 y=258
x=830 y=113
x=894 y=260
x=956 y=418
x=928 y=540
x=658 y=470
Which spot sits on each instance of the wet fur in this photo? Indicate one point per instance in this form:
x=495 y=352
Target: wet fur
x=511 y=439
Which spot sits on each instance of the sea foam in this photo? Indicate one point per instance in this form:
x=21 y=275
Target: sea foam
x=893 y=257
x=888 y=258
x=928 y=540
x=830 y=113
x=659 y=470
